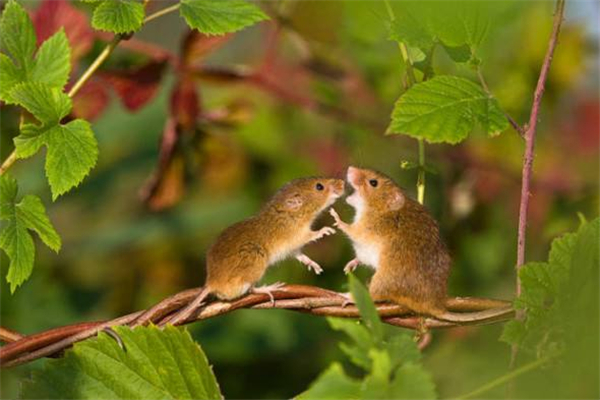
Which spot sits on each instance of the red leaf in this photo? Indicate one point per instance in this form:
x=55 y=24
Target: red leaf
x=137 y=86
x=91 y=100
x=196 y=46
x=52 y=15
x=185 y=104
x=166 y=185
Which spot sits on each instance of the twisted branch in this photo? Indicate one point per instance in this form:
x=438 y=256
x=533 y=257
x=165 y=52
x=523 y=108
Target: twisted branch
x=306 y=299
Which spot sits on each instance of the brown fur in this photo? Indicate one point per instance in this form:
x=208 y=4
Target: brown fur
x=241 y=254
x=413 y=261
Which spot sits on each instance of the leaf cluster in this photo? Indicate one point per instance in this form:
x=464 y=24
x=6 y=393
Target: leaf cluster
x=146 y=363
x=392 y=365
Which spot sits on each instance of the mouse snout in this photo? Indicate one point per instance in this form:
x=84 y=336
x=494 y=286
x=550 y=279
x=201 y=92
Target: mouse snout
x=353 y=176
x=337 y=186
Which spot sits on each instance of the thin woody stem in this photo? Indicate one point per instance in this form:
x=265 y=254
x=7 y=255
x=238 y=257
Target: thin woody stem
x=529 y=152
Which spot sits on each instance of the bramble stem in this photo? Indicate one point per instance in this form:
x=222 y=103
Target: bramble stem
x=505 y=378
x=12 y=157
x=529 y=152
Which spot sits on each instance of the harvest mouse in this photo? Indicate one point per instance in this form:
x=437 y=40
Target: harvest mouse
x=242 y=253
x=396 y=236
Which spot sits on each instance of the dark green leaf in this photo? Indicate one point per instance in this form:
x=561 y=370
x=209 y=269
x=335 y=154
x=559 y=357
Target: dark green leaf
x=411 y=381
x=446 y=109
x=165 y=364
x=118 y=16
x=217 y=17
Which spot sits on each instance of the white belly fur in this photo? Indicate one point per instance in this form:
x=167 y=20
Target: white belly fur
x=367 y=254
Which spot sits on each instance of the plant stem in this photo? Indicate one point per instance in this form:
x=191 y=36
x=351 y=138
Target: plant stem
x=529 y=151
x=510 y=119
x=162 y=12
x=410 y=73
x=12 y=157
x=505 y=378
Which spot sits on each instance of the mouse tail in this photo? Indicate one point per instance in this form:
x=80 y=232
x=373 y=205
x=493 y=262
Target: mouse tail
x=187 y=312
x=156 y=312
x=478 y=316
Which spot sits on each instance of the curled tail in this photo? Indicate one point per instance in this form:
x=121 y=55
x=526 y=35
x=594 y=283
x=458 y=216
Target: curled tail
x=165 y=307
x=184 y=314
x=490 y=314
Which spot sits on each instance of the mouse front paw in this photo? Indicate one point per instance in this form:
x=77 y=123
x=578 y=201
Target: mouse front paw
x=337 y=220
x=351 y=266
x=304 y=259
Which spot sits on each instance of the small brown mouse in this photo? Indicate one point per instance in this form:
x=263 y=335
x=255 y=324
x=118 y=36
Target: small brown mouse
x=398 y=238
x=242 y=253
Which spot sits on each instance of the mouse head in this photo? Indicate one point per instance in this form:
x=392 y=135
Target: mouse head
x=373 y=192
x=307 y=197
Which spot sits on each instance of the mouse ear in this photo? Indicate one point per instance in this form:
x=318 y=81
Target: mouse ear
x=397 y=201
x=293 y=203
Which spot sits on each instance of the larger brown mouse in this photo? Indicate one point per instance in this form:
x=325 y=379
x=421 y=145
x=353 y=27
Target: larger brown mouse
x=242 y=253
x=398 y=238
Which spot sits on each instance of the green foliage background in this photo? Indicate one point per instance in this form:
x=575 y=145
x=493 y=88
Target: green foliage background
x=118 y=256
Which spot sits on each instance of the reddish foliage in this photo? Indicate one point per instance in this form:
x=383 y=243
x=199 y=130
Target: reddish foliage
x=137 y=86
x=52 y=15
x=185 y=103
x=196 y=46
x=91 y=100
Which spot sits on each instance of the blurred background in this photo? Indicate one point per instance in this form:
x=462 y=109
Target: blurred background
x=195 y=133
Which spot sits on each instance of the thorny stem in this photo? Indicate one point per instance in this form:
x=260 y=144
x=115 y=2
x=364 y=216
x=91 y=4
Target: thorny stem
x=505 y=378
x=529 y=152
x=410 y=73
x=12 y=157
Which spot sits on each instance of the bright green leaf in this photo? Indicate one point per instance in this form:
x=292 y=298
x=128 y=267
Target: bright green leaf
x=411 y=381
x=367 y=309
x=15 y=239
x=332 y=384
x=29 y=140
x=17 y=34
x=446 y=109
x=376 y=384
x=10 y=75
x=402 y=349
x=217 y=17
x=52 y=61
x=72 y=152
x=165 y=364
x=358 y=351
x=118 y=16
x=32 y=213
x=49 y=105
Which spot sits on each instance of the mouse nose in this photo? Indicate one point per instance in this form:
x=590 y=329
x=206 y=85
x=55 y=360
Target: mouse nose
x=338 y=187
x=352 y=174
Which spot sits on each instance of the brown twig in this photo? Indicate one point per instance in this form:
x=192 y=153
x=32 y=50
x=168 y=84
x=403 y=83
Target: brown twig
x=529 y=150
x=305 y=299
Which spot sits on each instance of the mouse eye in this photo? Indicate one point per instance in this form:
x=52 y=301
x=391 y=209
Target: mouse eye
x=320 y=186
x=373 y=182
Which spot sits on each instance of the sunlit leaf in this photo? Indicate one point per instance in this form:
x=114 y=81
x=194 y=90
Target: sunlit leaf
x=332 y=384
x=446 y=109
x=217 y=17
x=118 y=16
x=154 y=364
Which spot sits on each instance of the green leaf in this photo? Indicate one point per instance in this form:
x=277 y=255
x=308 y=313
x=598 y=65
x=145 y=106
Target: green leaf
x=358 y=352
x=367 y=309
x=332 y=384
x=450 y=23
x=17 y=34
x=52 y=61
x=446 y=109
x=49 y=105
x=118 y=16
x=15 y=240
x=165 y=364
x=217 y=17
x=29 y=140
x=402 y=349
x=10 y=75
x=513 y=332
x=376 y=384
x=411 y=381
